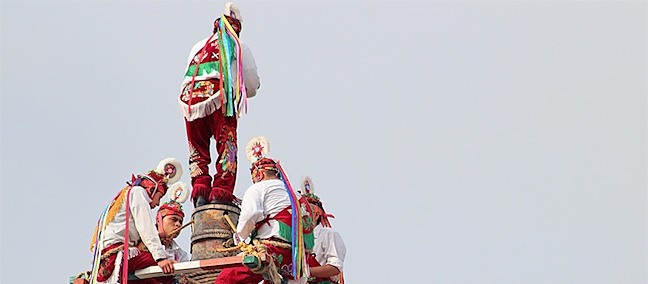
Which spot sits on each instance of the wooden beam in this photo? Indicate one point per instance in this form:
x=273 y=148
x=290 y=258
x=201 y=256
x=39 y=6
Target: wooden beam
x=195 y=266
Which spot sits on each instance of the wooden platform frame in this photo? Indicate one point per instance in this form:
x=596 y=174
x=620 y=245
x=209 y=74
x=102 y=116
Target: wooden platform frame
x=198 y=266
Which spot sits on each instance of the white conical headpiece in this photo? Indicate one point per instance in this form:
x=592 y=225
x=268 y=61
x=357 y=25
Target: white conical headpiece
x=233 y=11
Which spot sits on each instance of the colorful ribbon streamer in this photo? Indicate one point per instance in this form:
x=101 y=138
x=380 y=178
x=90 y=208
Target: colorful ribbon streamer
x=298 y=249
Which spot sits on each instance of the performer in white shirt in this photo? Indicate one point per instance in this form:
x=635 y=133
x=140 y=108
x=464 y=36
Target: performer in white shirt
x=118 y=226
x=221 y=74
x=266 y=216
x=169 y=221
x=327 y=260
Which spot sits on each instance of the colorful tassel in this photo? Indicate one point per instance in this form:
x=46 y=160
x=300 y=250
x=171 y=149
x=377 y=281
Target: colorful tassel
x=107 y=217
x=97 y=239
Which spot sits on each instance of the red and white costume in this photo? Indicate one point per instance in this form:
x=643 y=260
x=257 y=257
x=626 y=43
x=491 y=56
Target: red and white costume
x=200 y=103
x=141 y=229
x=130 y=211
x=266 y=215
x=329 y=247
x=173 y=207
x=261 y=203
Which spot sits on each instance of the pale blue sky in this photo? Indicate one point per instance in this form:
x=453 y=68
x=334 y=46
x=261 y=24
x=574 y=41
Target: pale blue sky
x=455 y=142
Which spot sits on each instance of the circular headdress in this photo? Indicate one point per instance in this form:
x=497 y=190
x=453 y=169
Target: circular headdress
x=164 y=175
x=178 y=192
x=171 y=169
x=308 y=191
x=307 y=185
x=256 y=149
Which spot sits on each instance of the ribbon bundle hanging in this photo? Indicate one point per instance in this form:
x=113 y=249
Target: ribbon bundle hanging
x=232 y=86
x=298 y=248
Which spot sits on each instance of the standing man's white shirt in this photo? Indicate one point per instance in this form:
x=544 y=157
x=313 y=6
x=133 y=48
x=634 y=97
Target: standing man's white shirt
x=329 y=248
x=250 y=74
x=211 y=104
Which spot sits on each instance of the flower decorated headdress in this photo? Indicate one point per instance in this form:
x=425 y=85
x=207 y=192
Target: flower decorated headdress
x=256 y=151
x=167 y=172
x=178 y=195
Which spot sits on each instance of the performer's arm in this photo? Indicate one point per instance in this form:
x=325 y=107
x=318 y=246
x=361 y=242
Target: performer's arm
x=324 y=271
x=141 y=212
x=250 y=74
x=334 y=253
x=251 y=212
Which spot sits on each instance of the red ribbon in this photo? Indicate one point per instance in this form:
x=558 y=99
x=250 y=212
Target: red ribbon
x=126 y=253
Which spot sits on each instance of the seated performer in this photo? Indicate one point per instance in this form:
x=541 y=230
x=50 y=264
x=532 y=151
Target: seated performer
x=169 y=223
x=118 y=226
x=266 y=216
x=327 y=259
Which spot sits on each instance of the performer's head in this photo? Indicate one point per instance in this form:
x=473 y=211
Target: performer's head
x=316 y=206
x=169 y=219
x=264 y=169
x=233 y=16
x=155 y=186
x=156 y=181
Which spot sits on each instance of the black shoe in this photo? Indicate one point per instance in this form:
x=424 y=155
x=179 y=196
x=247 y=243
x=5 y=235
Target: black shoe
x=199 y=201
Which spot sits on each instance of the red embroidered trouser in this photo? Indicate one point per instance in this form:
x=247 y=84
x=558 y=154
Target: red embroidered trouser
x=244 y=275
x=199 y=133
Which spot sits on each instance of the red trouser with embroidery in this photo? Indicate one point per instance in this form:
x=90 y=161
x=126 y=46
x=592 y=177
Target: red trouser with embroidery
x=243 y=275
x=199 y=133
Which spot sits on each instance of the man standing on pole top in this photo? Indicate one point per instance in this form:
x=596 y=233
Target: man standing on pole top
x=220 y=75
